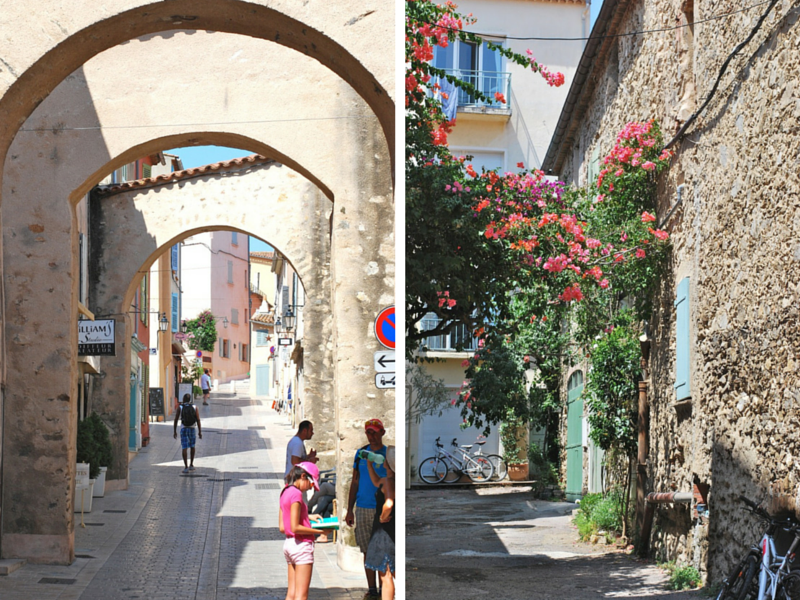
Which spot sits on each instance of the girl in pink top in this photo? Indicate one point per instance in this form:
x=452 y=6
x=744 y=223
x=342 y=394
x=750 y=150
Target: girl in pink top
x=293 y=521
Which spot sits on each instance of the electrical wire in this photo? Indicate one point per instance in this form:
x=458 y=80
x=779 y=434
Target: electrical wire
x=601 y=37
x=722 y=70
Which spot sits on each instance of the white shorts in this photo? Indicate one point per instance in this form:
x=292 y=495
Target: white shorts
x=298 y=553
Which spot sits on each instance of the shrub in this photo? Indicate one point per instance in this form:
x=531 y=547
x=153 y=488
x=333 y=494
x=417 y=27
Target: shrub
x=586 y=528
x=94 y=444
x=87 y=448
x=588 y=502
x=685 y=577
x=105 y=451
x=607 y=514
x=541 y=469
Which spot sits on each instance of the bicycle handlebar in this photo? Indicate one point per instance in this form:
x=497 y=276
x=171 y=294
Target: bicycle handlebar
x=786 y=523
x=454 y=442
x=749 y=502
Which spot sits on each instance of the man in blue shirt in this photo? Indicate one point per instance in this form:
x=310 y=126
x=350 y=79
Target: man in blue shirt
x=361 y=503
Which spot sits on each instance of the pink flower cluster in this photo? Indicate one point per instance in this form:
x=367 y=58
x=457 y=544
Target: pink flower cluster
x=445 y=299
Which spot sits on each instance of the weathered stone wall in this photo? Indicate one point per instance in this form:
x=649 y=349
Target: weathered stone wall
x=267 y=99
x=735 y=235
x=131 y=228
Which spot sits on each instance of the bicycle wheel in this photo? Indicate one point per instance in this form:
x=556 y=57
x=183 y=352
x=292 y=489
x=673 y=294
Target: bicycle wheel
x=739 y=583
x=500 y=469
x=432 y=470
x=789 y=587
x=480 y=469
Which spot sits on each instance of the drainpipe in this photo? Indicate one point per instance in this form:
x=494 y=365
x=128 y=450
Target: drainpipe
x=586 y=23
x=644 y=430
x=641 y=467
x=652 y=499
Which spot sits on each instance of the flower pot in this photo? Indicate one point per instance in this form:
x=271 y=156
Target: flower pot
x=100 y=484
x=518 y=472
x=83 y=497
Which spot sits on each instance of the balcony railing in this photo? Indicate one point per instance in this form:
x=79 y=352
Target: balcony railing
x=487 y=82
x=459 y=336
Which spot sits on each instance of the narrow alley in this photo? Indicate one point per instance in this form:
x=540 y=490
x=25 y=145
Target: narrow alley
x=500 y=542
x=210 y=535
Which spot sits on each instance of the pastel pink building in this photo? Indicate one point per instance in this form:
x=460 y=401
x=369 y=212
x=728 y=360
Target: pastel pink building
x=215 y=274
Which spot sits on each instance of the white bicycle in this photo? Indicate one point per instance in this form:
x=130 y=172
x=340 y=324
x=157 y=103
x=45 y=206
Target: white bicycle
x=776 y=580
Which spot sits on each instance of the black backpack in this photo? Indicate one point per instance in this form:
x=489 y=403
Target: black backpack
x=188 y=415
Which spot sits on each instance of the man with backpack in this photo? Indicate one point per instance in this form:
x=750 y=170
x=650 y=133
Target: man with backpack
x=190 y=418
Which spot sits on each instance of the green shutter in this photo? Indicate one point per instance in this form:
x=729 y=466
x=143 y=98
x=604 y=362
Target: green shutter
x=682 y=363
x=174 y=313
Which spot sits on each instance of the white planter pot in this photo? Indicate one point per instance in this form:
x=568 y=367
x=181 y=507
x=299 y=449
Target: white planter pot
x=100 y=484
x=83 y=497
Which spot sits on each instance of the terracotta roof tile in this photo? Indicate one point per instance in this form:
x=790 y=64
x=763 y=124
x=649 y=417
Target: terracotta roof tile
x=264 y=255
x=267 y=318
x=245 y=161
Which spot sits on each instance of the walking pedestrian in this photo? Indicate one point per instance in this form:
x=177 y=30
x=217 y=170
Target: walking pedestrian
x=190 y=418
x=294 y=522
x=205 y=383
x=380 y=552
x=296 y=448
x=361 y=503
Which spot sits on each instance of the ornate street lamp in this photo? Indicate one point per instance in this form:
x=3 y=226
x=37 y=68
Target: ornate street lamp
x=184 y=327
x=163 y=324
x=288 y=319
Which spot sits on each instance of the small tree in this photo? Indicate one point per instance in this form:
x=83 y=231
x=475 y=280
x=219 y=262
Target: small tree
x=204 y=331
x=612 y=400
x=104 y=449
x=425 y=395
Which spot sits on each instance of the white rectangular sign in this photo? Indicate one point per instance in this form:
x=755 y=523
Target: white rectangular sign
x=284 y=341
x=384 y=361
x=96 y=338
x=385 y=381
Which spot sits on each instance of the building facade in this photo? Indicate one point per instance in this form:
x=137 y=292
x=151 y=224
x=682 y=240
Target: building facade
x=497 y=136
x=722 y=386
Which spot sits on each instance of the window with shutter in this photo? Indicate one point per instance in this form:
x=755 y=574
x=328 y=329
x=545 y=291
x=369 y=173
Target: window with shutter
x=234 y=238
x=234 y=316
x=682 y=345
x=175 y=316
x=230 y=271
x=174 y=260
x=143 y=303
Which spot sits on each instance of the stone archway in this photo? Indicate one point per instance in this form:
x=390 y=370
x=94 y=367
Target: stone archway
x=131 y=227
x=49 y=168
x=341 y=36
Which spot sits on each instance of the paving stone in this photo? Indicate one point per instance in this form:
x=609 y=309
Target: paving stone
x=170 y=537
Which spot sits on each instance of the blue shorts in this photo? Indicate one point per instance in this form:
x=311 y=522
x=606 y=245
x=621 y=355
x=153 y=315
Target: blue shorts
x=187 y=437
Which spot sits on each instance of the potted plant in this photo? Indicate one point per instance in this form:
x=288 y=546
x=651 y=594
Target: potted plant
x=104 y=452
x=86 y=453
x=513 y=439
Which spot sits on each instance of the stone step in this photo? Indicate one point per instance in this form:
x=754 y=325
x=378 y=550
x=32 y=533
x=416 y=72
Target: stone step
x=9 y=565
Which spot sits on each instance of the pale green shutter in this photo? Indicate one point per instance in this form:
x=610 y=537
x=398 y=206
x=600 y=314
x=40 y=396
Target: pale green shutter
x=682 y=364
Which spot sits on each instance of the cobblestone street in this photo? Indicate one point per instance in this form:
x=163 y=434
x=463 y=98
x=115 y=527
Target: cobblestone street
x=212 y=534
x=492 y=542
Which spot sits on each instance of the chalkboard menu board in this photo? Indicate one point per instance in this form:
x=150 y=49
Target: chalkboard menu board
x=157 y=402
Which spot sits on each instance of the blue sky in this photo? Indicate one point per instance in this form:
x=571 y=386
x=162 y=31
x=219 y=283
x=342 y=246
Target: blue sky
x=594 y=10
x=197 y=156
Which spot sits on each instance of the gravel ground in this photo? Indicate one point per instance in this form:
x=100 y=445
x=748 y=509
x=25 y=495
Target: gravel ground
x=503 y=543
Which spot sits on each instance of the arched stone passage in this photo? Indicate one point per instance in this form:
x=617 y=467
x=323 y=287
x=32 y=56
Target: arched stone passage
x=130 y=229
x=354 y=39
x=48 y=169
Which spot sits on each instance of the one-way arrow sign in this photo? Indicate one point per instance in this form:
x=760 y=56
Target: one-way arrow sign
x=384 y=361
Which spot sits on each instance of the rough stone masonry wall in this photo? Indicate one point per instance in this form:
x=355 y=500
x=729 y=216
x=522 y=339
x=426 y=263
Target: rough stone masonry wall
x=736 y=235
